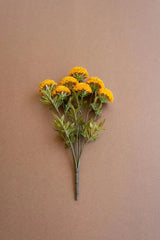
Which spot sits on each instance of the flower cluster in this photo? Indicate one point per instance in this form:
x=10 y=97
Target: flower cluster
x=73 y=83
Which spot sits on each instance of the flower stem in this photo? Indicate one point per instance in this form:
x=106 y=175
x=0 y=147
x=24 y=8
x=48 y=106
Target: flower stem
x=76 y=183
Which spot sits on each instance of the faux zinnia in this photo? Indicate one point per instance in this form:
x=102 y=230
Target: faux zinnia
x=68 y=81
x=106 y=93
x=82 y=87
x=95 y=82
x=61 y=90
x=79 y=73
x=45 y=83
x=77 y=108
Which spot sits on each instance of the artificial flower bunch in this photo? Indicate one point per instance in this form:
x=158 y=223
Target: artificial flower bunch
x=76 y=104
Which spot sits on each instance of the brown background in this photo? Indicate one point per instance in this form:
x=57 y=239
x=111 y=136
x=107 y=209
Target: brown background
x=118 y=41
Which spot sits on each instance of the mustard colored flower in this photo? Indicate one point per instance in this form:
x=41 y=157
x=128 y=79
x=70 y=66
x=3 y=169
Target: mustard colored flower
x=68 y=81
x=95 y=82
x=82 y=87
x=78 y=72
x=47 y=82
x=61 y=90
x=107 y=93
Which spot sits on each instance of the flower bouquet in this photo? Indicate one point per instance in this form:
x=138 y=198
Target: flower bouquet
x=76 y=106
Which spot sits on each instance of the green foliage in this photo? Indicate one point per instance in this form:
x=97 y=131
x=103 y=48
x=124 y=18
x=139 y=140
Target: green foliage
x=97 y=108
x=54 y=102
x=73 y=121
x=103 y=99
x=46 y=97
x=65 y=129
x=94 y=87
x=84 y=104
x=74 y=116
x=58 y=100
x=90 y=131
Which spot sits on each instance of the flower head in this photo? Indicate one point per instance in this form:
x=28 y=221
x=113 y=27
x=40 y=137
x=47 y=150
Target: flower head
x=95 y=82
x=104 y=92
x=61 y=90
x=79 y=73
x=82 y=87
x=47 y=82
x=68 y=81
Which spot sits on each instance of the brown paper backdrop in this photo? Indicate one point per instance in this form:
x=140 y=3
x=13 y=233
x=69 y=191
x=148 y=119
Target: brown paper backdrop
x=118 y=41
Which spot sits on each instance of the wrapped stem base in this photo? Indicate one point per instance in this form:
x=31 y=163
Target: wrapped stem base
x=76 y=183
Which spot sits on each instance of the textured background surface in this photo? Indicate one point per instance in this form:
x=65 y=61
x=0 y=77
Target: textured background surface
x=117 y=41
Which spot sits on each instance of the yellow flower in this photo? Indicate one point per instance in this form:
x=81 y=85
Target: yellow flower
x=68 y=81
x=94 y=81
x=82 y=87
x=80 y=71
x=61 y=90
x=47 y=82
x=107 y=93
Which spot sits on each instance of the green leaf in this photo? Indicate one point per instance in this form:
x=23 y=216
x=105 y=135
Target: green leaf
x=91 y=125
x=102 y=122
